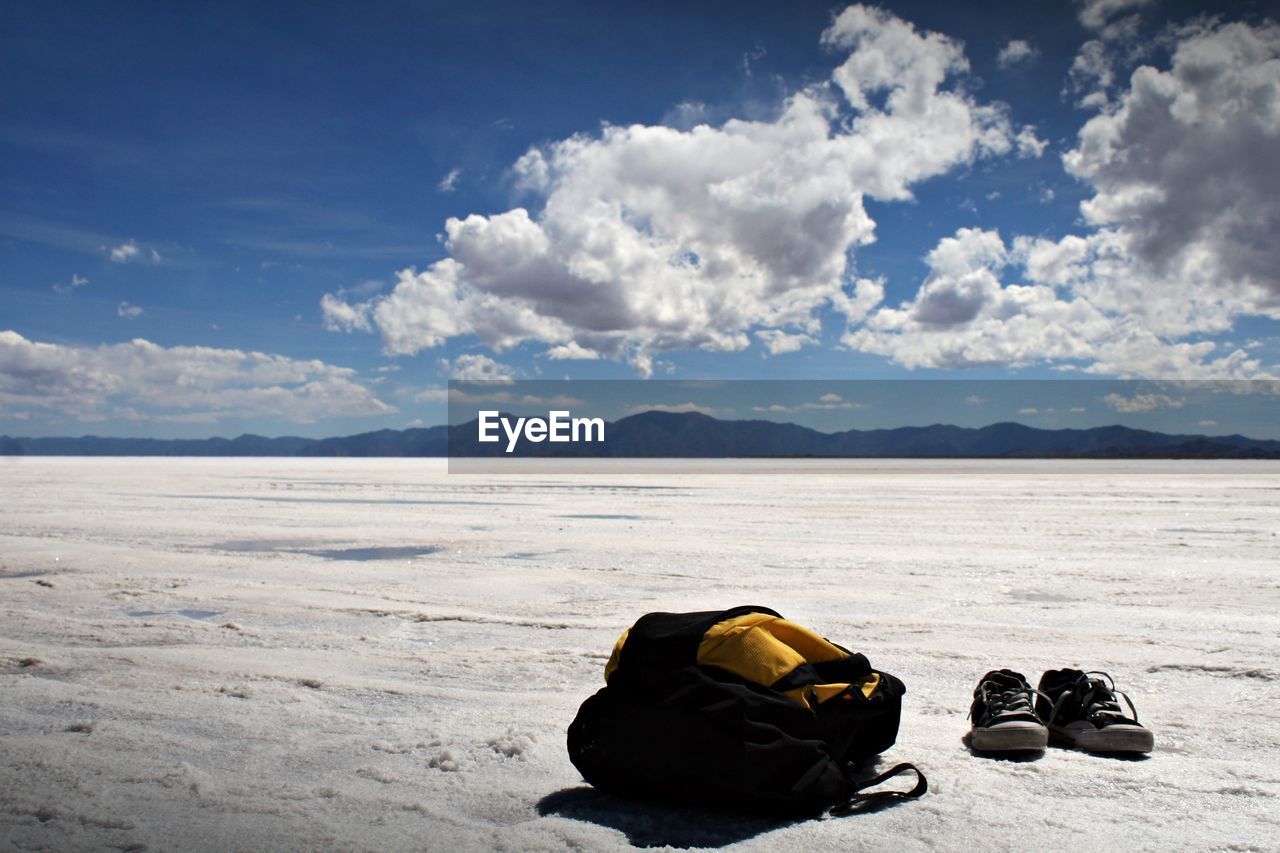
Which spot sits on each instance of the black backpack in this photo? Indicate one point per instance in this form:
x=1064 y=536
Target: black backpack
x=738 y=708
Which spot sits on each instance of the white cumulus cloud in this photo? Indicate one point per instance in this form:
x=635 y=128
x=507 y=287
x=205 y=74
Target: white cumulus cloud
x=1097 y=14
x=1186 y=169
x=476 y=366
x=652 y=238
x=571 y=351
x=140 y=380
x=776 y=341
x=1185 y=173
x=1015 y=52
x=124 y=253
x=1115 y=25
x=449 y=182
x=1030 y=145
x=70 y=287
x=964 y=316
x=342 y=316
x=129 y=252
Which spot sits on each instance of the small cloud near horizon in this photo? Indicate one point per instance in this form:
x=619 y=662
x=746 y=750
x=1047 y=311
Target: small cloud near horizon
x=824 y=403
x=676 y=408
x=449 y=182
x=76 y=281
x=1142 y=402
x=129 y=251
x=1016 y=52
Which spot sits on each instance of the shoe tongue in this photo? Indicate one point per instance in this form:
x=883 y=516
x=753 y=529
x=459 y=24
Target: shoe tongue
x=1006 y=676
x=1058 y=679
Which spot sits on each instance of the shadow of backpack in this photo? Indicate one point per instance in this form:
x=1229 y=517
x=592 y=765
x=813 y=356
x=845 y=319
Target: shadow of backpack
x=742 y=709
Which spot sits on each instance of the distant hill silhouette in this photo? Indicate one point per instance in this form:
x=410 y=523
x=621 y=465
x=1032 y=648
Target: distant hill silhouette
x=691 y=435
x=432 y=441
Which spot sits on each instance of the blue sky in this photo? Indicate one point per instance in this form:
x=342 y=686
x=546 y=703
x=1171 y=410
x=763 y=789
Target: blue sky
x=304 y=218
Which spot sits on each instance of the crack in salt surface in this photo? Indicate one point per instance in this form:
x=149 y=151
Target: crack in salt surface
x=1218 y=670
x=1211 y=531
x=470 y=618
x=300 y=500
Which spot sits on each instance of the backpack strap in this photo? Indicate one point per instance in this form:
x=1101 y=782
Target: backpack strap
x=860 y=800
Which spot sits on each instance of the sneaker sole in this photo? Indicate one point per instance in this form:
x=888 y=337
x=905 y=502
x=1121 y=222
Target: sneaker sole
x=1110 y=739
x=1010 y=737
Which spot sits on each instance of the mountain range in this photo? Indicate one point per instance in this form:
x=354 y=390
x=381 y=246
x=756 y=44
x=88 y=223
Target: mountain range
x=657 y=434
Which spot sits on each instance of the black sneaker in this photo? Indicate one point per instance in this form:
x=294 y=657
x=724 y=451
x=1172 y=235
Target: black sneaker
x=1003 y=716
x=1082 y=710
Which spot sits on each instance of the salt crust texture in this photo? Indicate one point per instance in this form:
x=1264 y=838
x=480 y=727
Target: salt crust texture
x=268 y=654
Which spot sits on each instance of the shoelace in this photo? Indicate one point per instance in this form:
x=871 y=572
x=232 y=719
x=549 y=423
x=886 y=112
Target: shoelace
x=1013 y=700
x=1098 y=698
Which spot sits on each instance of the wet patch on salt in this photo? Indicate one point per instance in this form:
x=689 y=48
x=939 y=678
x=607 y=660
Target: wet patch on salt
x=262 y=546
x=533 y=555
x=362 y=555
x=607 y=516
x=309 y=548
x=189 y=614
x=1042 y=596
